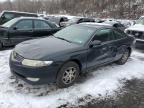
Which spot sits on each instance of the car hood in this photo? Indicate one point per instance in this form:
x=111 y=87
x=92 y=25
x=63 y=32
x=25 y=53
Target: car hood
x=136 y=27
x=44 y=48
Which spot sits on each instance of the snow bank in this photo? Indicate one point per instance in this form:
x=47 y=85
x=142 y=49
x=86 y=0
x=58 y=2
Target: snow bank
x=17 y=94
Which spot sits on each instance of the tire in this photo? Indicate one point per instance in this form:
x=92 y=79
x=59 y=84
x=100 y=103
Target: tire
x=1 y=46
x=124 y=57
x=68 y=75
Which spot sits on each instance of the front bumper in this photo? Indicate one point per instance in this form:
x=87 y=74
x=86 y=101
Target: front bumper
x=34 y=76
x=139 y=44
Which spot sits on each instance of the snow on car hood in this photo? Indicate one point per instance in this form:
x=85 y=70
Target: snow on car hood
x=136 y=27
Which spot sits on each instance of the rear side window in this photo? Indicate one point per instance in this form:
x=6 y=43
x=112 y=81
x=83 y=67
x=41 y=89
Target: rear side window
x=119 y=34
x=118 y=25
x=6 y=17
x=9 y=16
x=25 y=15
x=24 y=25
x=104 y=35
x=38 y=24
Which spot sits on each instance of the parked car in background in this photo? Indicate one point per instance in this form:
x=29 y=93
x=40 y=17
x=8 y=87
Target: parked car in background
x=6 y=16
x=99 y=20
x=77 y=20
x=109 y=23
x=25 y=28
x=137 y=31
x=126 y=23
x=76 y=49
x=57 y=20
x=116 y=24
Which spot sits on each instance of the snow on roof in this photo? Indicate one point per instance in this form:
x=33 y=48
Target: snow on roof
x=136 y=27
x=18 y=12
x=97 y=24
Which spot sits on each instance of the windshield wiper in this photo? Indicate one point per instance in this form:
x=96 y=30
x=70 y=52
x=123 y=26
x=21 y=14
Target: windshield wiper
x=63 y=39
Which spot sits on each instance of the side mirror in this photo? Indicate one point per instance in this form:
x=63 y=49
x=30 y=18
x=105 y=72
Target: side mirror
x=96 y=42
x=15 y=28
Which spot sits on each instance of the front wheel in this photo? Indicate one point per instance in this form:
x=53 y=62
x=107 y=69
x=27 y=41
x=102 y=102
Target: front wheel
x=124 y=57
x=68 y=75
x=1 y=46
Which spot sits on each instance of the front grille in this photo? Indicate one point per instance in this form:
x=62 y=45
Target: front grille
x=17 y=57
x=136 y=34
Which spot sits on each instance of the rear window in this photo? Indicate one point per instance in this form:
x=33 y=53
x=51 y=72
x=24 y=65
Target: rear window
x=119 y=34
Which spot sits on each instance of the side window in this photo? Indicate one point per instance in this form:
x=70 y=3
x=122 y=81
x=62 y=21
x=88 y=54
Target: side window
x=104 y=35
x=118 y=25
x=119 y=34
x=38 y=24
x=24 y=25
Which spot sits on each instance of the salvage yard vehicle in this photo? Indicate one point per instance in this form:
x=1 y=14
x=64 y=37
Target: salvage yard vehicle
x=70 y=52
x=25 y=28
x=57 y=20
x=6 y=16
x=137 y=31
x=115 y=24
x=76 y=20
x=109 y=23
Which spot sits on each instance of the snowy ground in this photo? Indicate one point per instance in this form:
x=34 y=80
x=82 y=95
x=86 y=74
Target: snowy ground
x=17 y=94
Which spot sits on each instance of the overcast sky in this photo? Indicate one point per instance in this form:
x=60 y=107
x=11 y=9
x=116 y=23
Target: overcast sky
x=4 y=0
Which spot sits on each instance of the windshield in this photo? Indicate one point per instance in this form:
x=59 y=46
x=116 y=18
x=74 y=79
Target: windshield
x=140 y=21
x=10 y=23
x=76 y=33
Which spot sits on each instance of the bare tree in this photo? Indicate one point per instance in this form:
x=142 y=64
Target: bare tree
x=98 y=8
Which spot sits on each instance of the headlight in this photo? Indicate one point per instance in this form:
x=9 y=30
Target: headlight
x=36 y=63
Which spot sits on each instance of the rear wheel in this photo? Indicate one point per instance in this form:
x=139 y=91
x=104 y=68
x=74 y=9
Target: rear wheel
x=124 y=57
x=68 y=75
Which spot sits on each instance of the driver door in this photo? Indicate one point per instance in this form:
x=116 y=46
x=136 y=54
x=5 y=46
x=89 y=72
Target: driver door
x=100 y=54
x=21 y=31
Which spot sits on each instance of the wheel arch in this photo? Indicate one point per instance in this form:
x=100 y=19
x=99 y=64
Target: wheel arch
x=71 y=60
x=130 y=50
x=77 y=62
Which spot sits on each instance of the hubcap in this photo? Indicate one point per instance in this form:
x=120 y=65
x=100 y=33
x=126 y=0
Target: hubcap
x=69 y=75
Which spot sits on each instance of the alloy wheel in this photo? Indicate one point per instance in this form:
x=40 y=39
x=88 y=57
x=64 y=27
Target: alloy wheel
x=69 y=75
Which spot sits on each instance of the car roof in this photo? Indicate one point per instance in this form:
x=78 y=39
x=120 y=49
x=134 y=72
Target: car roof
x=111 y=22
x=96 y=25
x=39 y=18
x=19 y=12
